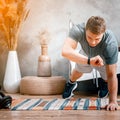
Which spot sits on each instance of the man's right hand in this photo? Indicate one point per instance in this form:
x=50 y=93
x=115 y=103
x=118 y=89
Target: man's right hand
x=96 y=61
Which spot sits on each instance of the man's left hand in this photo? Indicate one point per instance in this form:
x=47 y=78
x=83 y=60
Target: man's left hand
x=112 y=106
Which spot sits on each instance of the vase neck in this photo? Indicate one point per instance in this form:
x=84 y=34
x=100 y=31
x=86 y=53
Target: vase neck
x=44 y=49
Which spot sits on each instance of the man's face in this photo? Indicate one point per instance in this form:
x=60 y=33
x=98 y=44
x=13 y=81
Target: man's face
x=93 y=39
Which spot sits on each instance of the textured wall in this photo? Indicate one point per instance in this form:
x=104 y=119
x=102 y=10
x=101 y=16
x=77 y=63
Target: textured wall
x=54 y=16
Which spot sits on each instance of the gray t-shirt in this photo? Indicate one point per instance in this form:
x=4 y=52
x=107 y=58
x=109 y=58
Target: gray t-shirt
x=107 y=48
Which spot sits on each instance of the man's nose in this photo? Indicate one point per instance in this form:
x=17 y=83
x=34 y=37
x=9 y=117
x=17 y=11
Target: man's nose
x=93 y=42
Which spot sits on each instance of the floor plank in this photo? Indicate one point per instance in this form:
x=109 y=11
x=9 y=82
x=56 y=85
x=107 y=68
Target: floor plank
x=58 y=114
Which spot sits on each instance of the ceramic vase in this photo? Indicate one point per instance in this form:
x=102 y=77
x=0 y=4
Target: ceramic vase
x=44 y=62
x=12 y=76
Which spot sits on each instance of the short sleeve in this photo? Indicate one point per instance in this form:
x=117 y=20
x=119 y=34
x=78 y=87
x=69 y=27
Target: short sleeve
x=111 y=53
x=75 y=33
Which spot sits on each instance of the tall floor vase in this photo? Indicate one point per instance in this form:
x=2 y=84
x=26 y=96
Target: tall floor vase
x=12 y=76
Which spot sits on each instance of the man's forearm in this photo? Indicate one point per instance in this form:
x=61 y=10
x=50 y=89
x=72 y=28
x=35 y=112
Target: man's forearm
x=74 y=56
x=113 y=88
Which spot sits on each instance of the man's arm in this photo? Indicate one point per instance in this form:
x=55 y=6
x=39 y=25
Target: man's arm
x=112 y=86
x=68 y=51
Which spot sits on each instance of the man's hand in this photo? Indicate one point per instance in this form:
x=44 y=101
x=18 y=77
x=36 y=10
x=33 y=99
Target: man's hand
x=112 y=106
x=96 y=61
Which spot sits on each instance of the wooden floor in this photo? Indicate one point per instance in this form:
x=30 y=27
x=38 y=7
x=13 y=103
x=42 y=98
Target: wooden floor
x=59 y=114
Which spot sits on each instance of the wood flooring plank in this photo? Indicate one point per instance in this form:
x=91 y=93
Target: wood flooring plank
x=57 y=115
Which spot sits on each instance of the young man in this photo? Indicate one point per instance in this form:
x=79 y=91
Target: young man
x=99 y=51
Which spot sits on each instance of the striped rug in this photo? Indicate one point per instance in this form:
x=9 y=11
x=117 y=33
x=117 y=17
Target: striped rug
x=60 y=104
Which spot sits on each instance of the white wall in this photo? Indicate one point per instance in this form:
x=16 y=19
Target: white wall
x=54 y=16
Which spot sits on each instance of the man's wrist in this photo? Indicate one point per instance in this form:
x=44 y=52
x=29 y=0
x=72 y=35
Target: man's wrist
x=88 y=62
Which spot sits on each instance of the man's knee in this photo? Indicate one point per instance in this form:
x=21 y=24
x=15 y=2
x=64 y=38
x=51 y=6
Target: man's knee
x=75 y=75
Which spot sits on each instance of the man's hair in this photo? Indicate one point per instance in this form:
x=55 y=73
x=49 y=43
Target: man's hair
x=96 y=25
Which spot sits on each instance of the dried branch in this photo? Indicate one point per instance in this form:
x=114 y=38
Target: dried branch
x=44 y=37
x=12 y=15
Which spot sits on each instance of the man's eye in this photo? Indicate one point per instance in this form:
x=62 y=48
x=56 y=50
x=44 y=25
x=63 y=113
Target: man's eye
x=90 y=38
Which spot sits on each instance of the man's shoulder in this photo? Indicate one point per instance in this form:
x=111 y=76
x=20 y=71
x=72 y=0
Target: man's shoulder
x=109 y=36
x=109 y=33
x=81 y=26
x=77 y=31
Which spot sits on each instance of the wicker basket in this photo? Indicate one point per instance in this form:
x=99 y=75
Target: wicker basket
x=42 y=85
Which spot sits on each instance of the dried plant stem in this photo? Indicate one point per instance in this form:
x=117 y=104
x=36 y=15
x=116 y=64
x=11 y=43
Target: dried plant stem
x=12 y=15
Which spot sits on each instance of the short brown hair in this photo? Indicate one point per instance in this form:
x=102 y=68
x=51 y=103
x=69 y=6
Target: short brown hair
x=96 y=25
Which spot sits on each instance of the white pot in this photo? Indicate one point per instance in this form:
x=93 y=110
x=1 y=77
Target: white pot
x=12 y=76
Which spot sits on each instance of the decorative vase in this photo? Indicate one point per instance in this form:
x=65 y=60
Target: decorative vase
x=44 y=62
x=12 y=76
